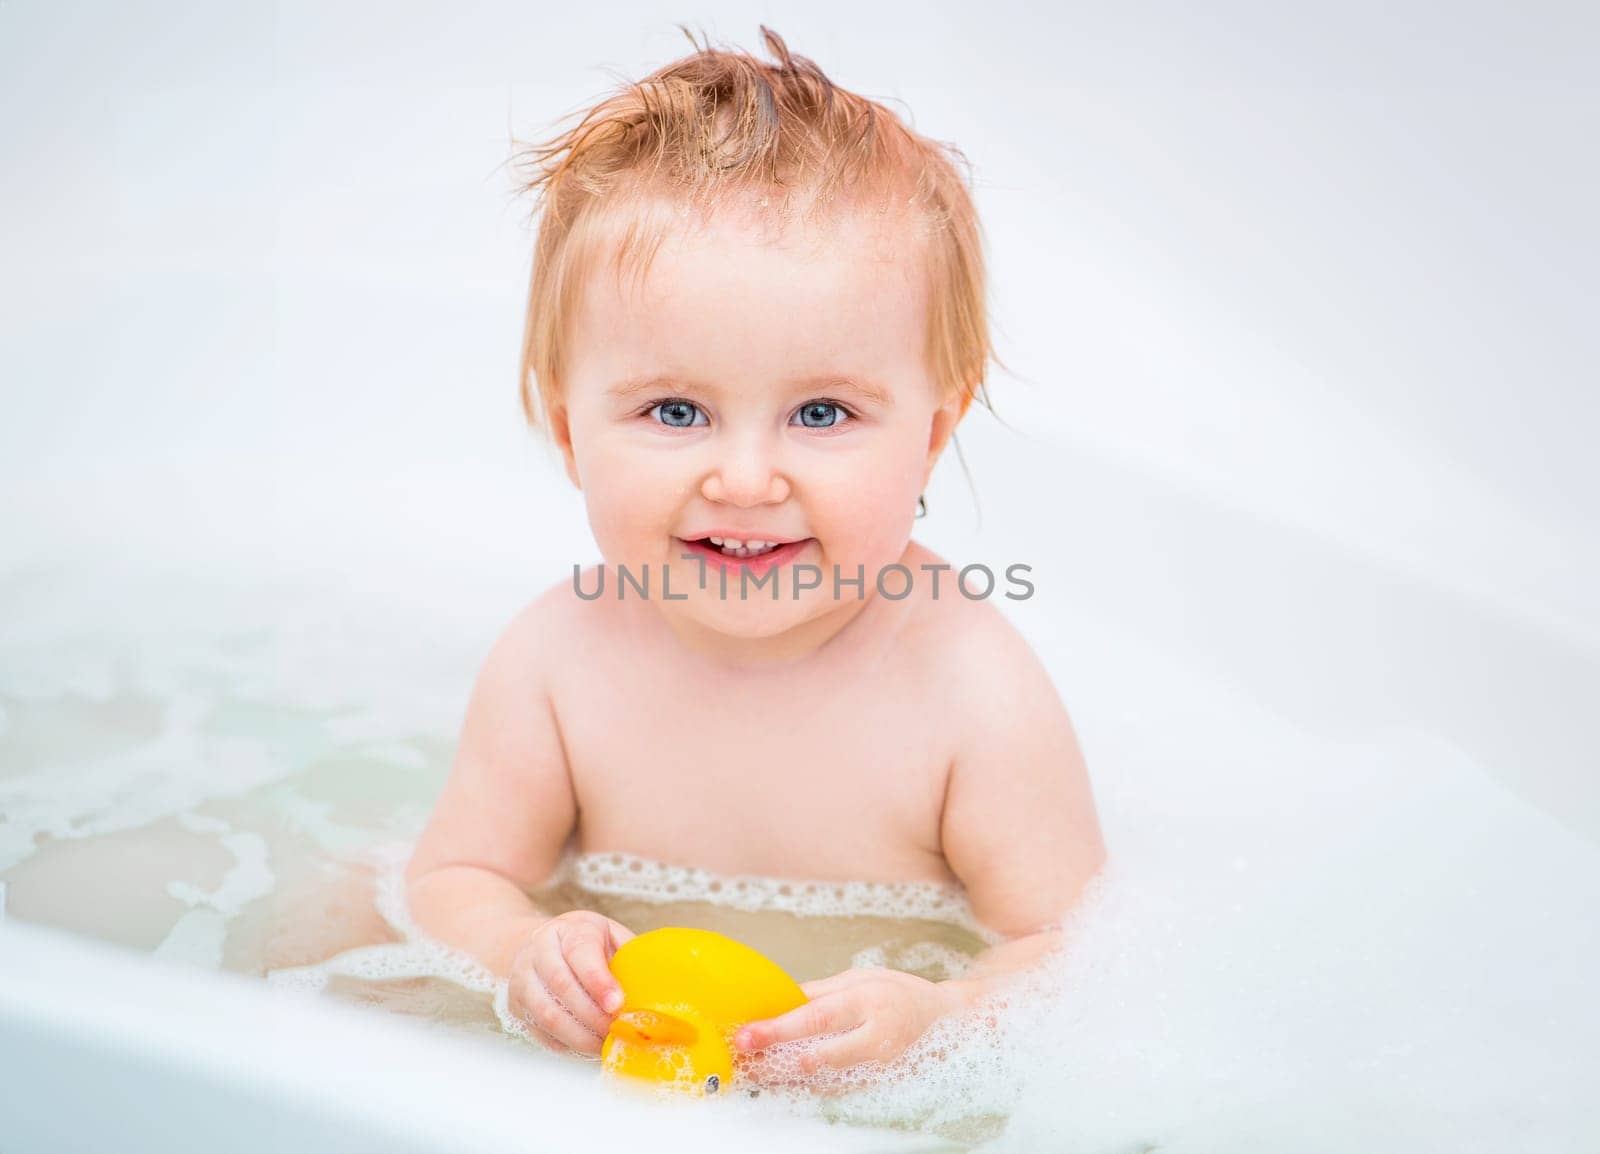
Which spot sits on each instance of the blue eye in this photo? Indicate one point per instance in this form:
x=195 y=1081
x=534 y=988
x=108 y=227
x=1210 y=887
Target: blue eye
x=820 y=414
x=679 y=414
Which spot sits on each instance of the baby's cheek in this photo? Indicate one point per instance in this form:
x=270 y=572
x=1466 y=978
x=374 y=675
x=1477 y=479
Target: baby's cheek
x=627 y=521
x=633 y=500
x=870 y=519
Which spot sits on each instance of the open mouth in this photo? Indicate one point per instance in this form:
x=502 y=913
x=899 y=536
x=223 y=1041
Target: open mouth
x=731 y=548
x=727 y=548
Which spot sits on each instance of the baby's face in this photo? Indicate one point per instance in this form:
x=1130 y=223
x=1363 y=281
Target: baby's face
x=774 y=391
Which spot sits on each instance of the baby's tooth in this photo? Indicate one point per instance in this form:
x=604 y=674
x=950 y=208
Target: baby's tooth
x=733 y=548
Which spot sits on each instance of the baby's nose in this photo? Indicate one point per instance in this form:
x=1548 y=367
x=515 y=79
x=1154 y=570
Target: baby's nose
x=746 y=473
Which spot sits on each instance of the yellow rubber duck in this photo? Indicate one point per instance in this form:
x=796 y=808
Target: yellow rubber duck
x=685 y=992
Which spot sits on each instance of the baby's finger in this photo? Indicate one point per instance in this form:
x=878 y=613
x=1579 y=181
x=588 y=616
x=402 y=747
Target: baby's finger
x=549 y=1015
x=561 y=985
x=826 y=1015
x=521 y=1000
x=798 y=1067
x=584 y=948
x=840 y=981
x=840 y=1052
x=619 y=934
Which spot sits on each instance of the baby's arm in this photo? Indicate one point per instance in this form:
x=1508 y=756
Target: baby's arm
x=1019 y=826
x=497 y=831
x=499 y=826
x=1020 y=831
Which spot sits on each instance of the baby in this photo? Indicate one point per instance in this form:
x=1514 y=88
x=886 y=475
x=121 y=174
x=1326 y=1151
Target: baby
x=756 y=318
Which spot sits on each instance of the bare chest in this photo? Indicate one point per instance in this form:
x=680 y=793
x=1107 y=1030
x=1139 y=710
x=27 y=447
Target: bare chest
x=831 y=778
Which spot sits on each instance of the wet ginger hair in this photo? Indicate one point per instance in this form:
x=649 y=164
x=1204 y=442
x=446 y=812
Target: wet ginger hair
x=720 y=128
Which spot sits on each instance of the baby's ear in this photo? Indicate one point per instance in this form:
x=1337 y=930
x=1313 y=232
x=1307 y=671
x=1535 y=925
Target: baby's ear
x=945 y=419
x=561 y=434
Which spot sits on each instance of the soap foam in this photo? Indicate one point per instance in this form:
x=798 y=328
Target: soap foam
x=627 y=875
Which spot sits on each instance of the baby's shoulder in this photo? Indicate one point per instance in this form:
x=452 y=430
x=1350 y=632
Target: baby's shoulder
x=558 y=621
x=988 y=685
x=956 y=627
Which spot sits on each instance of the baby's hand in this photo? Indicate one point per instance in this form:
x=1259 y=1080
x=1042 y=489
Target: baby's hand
x=561 y=986
x=861 y=1015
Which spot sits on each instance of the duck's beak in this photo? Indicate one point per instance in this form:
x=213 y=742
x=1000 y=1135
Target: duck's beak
x=649 y=1028
x=666 y=1048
